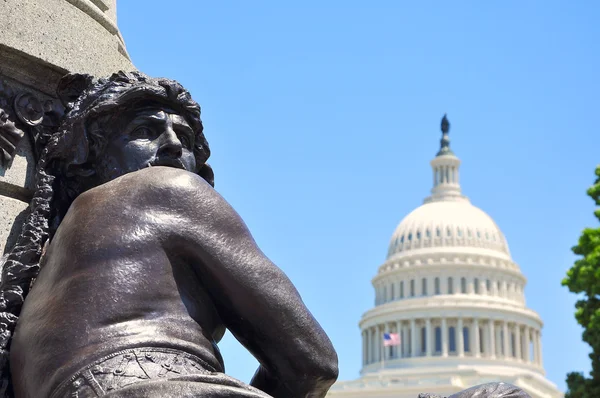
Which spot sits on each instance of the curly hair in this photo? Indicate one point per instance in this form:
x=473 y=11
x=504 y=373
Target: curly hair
x=65 y=162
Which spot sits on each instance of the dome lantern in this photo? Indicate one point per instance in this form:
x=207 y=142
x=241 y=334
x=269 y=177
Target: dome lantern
x=446 y=183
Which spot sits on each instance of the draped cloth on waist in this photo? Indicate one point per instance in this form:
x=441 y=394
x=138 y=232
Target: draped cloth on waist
x=152 y=372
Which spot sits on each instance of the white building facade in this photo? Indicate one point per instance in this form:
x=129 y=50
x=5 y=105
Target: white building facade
x=451 y=290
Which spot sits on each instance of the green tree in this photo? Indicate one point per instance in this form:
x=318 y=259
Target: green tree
x=584 y=279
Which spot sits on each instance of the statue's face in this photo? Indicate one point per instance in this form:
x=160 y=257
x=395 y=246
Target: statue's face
x=148 y=137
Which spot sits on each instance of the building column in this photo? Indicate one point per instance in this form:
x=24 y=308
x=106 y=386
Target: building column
x=492 y=335
x=528 y=345
x=475 y=338
x=413 y=338
x=461 y=338
x=377 y=344
x=370 y=346
x=386 y=350
x=498 y=340
x=506 y=340
x=374 y=343
x=524 y=353
x=428 y=336
x=405 y=342
x=535 y=346
x=538 y=341
x=541 y=362
x=399 y=347
x=518 y=342
x=444 y=338
x=364 y=346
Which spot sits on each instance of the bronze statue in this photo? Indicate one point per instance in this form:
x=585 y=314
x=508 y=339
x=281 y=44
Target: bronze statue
x=131 y=266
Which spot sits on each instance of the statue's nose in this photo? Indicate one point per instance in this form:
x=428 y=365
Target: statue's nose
x=170 y=145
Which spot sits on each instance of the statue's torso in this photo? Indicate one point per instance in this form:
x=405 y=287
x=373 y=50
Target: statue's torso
x=111 y=280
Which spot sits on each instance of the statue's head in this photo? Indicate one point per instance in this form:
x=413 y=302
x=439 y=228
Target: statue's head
x=125 y=123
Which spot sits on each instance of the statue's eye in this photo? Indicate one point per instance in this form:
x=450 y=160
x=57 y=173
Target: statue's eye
x=185 y=141
x=142 y=132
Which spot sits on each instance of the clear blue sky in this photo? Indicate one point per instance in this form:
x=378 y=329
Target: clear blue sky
x=323 y=117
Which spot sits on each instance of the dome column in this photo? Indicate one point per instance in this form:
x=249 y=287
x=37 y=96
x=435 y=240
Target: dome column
x=476 y=342
x=378 y=342
x=399 y=347
x=385 y=349
x=461 y=338
x=491 y=342
x=506 y=340
x=370 y=348
x=368 y=359
x=444 y=338
x=413 y=338
x=428 y=336
x=364 y=346
x=540 y=342
x=518 y=342
x=527 y=345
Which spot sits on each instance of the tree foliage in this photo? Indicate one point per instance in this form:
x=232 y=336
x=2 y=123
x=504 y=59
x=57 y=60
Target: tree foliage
x=584 y=279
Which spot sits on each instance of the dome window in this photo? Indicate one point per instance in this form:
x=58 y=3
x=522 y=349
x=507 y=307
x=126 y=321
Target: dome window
x=428 y=233
x=402 y=239
x=410 y=236
x=478 y=234
x=412 y=288
x=401 y=289
x=459 y=231
x=418 y=235
x=450 y=286
x=476 y=285
x=438 y=339
x=463 y=285
x=494 y=237
x=469 y=233
x=424 y=287
x=487 y=236
x=437 y=285
x=466 y=344
x=437 y=232
x=449 y=232
x=488 y=286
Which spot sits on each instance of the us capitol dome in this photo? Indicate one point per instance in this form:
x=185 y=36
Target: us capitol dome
x=455 y=298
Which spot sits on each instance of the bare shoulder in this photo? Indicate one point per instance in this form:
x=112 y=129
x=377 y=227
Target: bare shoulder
x=163 y=178
x=164 y=194
x=148 y=185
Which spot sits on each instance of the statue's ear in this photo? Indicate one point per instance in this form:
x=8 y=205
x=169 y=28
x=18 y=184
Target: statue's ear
x=71 y=86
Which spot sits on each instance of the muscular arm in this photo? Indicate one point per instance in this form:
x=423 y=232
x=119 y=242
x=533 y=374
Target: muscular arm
x=255 y=299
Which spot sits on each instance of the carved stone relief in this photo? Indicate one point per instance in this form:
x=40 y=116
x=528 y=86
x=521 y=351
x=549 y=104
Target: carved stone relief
x=23 y=113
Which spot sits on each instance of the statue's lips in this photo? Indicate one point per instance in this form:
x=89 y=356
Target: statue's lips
x=167 y=162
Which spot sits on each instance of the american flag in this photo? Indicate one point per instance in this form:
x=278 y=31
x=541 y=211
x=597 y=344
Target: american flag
x=390 y=339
